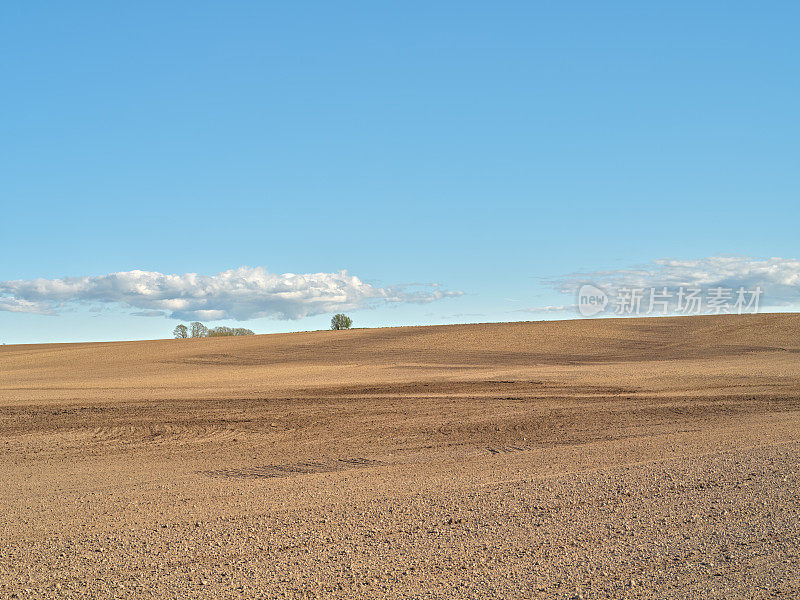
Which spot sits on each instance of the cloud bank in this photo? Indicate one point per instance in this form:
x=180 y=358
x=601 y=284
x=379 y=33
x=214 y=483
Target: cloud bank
x=778 y=278
x=241 y=294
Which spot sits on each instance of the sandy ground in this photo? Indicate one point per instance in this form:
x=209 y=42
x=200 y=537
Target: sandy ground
x=651 y=458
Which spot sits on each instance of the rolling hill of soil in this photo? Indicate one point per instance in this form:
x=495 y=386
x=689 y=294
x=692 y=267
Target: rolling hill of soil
x=608 y=458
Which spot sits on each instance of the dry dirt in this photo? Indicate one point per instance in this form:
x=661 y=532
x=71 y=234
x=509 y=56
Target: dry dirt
x=651 y=458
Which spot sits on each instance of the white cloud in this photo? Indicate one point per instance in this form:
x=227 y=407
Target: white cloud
x=778 y=278
x=11 y=304
x=548 y=309
x=241 y=294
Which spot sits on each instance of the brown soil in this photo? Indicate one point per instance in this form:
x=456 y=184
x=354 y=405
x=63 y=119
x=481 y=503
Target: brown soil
x=651 y=458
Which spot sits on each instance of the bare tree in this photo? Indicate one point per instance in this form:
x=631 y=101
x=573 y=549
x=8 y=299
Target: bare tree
x=198 y=330
x=181 y=331
x=220 y=331
x=223 y=331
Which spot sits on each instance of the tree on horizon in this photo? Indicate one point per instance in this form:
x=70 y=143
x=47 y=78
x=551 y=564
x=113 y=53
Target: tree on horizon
x=341 y=321
x=198 y=330
x=223 y=331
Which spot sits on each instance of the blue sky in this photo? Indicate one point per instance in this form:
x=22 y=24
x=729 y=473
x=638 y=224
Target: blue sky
x=491 y=148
